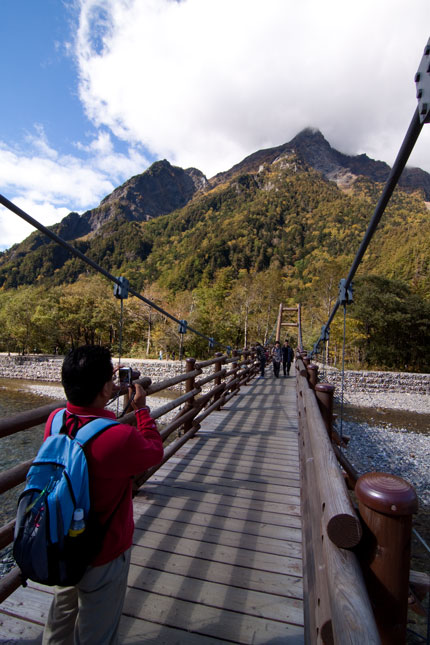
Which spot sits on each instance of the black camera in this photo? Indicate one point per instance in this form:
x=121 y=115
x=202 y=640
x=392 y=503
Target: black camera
x=125 y=375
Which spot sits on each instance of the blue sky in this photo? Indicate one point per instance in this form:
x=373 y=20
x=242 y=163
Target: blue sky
x=93 y=91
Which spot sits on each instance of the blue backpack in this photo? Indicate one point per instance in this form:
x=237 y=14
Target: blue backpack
x=57 y=485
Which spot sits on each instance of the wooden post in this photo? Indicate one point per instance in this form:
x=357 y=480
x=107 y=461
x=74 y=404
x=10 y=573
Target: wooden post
x=279 y=324
x=189 y=385
x=312 y=374
x=299 y=325
x=305 y=358
x=234 y=365
x=325 y=393
x=217 y=367
x=386 y=505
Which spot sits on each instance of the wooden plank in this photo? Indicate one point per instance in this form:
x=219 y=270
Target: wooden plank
x=220 y=553
x=232 y=447
x=178 y=494
x=19 y=631
x=28 y=602
x=210 y=621
x=289 y=463
x=236 y=454
x=213 y=594
x=233 y=452
x=225 y=573
x=236 y=473
x=287 y=518
x=224 y=483
x=251 y=495
x=274 y=430
x=255 y=446
x=213 y=521
x=282 y=546
x=272 y=461
x=132 y=631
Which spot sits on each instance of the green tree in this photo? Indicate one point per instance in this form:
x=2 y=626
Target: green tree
x=395 y=323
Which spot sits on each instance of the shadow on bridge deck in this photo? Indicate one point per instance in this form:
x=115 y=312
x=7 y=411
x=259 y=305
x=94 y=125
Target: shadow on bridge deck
x=217 y=553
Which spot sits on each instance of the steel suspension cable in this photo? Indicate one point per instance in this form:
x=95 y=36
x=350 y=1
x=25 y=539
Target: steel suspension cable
x=406 y=148
x=59 y=240
x=343 y=375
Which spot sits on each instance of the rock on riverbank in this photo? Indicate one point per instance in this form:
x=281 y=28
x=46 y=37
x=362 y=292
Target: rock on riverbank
x=48 y=368
x=392 y=450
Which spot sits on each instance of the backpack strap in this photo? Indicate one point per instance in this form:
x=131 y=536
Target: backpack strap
x=93 y=428
x=86 y=432
x=58 y=421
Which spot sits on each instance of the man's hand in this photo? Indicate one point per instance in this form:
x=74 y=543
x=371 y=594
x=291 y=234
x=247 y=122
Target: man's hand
x=139 y=399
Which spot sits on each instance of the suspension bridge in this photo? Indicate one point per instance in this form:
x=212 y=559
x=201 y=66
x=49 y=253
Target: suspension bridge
x=247 y=532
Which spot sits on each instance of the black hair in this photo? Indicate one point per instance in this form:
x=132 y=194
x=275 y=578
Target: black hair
x=85 y=371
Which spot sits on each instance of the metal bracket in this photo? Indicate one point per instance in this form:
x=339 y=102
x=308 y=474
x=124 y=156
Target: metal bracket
x=422 y=80
x=315 y=349
x=325 y=333
x=183 y=327
x=345 y=295
x=121 y=290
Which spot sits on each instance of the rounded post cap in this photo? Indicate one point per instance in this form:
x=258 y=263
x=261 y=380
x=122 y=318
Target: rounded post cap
x=387 y=494
x=325 y=387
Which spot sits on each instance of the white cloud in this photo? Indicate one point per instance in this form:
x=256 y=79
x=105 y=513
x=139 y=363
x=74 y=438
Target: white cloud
x=14 y=229
x=206 y=82
x=48 y=186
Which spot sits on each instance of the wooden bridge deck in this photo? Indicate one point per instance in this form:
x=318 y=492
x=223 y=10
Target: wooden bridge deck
x=217 y=555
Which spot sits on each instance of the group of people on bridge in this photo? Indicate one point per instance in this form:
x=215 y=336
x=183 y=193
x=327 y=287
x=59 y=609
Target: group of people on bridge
x=276 y=355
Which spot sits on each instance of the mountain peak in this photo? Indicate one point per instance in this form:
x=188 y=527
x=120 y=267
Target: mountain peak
x=309 y=134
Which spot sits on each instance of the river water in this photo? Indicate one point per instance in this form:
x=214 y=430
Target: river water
x=15 y=397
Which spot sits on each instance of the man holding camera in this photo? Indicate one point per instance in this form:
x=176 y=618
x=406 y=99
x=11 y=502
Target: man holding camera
x=90 y=611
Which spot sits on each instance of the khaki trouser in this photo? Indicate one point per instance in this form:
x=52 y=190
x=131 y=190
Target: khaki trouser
x=89 y=613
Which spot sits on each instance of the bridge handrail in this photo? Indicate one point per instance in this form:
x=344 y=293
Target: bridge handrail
x=337 y=604
x=338 y=515
x=198 y=405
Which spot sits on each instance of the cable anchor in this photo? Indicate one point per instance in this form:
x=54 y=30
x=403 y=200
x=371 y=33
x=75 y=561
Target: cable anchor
x=345 y=295
x=182 y=327
x=120 y=290
x=422 y=81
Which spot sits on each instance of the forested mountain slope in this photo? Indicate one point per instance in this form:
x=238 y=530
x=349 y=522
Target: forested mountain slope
x=274 y=208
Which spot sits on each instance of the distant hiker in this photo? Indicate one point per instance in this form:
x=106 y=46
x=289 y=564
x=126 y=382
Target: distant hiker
x=261 y=356
x=90 y=611
x=276 y=358
x=287 y=357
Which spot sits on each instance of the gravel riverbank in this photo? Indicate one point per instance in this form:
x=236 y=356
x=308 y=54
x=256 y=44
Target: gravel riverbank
x=411 y=402
x=390 y=447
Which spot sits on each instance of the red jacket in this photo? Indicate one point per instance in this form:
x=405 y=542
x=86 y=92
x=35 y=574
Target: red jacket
x=113 y=458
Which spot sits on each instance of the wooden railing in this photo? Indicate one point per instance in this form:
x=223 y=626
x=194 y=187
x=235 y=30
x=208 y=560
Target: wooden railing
x=203 y=394
x=337 y=606
x=356 y=556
